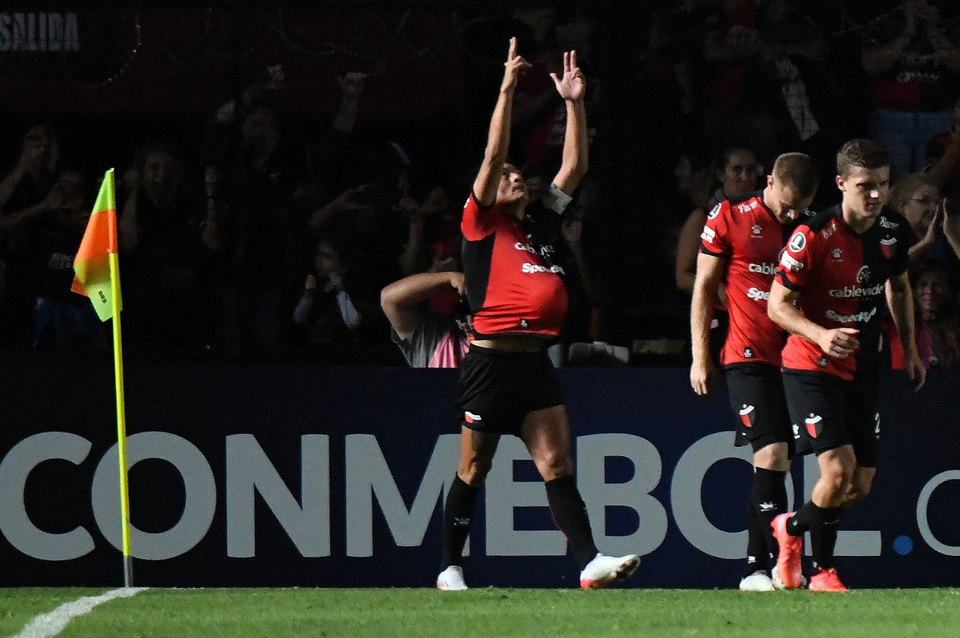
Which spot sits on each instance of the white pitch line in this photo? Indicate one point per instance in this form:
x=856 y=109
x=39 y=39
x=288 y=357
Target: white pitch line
x=52 y=623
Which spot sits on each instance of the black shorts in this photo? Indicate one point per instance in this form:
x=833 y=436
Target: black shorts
x=829 y=412
x=757 y=398
x=498 y=389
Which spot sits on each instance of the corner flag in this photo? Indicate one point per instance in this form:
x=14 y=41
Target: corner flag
x=92 y=263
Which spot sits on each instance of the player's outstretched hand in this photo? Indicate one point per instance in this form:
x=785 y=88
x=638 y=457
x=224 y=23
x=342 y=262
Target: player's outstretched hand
x=700 y=374
x=513 y=66
x=572 y=86
x=839 y=342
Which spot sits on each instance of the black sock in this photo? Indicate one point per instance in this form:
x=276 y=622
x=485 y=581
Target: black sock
x=570 y=515
x=456 y=520
x=823 y=536
x=756 y=547
x=770 y=500
x=801 y=521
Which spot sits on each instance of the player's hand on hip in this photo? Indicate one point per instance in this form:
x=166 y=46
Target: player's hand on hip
x=513 y=66
x=839 y=342
x=700 y=373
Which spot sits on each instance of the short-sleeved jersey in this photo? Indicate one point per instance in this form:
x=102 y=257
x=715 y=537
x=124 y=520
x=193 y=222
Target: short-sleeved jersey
x=513 y=286
x=841 y=277
x=750 y=238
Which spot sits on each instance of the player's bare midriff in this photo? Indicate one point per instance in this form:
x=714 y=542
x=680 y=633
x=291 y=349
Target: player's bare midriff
x=511 y=343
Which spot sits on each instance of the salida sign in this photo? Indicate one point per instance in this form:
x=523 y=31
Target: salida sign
x=74 y=42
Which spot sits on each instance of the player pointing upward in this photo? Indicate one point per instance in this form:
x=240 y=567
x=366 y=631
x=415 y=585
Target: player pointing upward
x=518 y=300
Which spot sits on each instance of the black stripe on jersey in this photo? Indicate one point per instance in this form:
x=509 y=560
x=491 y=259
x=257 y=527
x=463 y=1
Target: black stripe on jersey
x=821 y=219
x=477 y=259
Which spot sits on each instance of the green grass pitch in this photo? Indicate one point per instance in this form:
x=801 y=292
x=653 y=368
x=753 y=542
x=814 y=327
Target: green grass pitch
x=494 y=613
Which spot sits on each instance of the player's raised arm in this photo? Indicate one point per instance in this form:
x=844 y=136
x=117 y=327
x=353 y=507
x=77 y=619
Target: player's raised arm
x=572 y=87
x=498 y=137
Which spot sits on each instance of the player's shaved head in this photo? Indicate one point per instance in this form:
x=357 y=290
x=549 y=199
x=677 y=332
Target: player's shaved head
x=798 y=172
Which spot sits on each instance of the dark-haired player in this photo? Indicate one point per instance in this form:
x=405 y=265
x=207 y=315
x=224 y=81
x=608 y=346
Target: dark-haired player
x=507 y=383
x=834 y=276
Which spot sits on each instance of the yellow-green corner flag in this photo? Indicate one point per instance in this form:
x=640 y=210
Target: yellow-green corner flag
x=92 y=263
x=98 y=277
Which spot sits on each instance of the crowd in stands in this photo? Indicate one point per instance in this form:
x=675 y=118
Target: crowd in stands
x=261 y=241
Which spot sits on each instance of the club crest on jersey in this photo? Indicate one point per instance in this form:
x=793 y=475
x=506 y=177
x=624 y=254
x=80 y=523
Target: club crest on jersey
x=888 y=247
x=748 y=353
x=837 y=255
x=756 y=229
x=715 y=211
x=747 y=415
x=798 y=242
x=814 y=425
x=863 y=274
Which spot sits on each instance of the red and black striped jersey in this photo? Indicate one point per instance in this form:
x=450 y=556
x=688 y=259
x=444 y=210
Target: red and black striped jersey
x=750 y=238
x=513 y=286
x=841 y=277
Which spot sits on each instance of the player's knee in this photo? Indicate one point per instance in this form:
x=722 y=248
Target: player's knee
x=772 y=457
x=837 y=476
x=474 y=472
x=554 y=465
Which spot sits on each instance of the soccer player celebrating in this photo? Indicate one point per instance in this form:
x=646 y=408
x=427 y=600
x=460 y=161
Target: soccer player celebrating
x=518 y=301
x=832 y=279
x=740 y=246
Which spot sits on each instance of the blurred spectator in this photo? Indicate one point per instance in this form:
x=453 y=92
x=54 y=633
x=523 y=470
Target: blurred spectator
x=417 y=252
x=938 y=331
x=937 y=232
x=937 y=322
x=915 y=68
x=737 y=171
x=943 y=159
x=253 y=223
x=428 y=333
x=338 y=315
x=159 y=243
x=24 y=196
x=741 y=101
x=62 y=318
x=35 y=173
